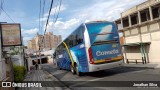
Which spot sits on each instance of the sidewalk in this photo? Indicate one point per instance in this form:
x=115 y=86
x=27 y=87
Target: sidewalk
x=41 y=75
x=148 y=65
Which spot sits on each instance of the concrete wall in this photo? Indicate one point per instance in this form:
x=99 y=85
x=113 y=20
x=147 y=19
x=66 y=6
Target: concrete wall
x=146 y=37
x=29 y=63
x=133 y=52
x=154 y=52
x=2 y=65
x=132 y=39
x=2 y=69
x=18 y=60
x=145 y=33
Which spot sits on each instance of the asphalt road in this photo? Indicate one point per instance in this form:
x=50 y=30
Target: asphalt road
x=121 y=75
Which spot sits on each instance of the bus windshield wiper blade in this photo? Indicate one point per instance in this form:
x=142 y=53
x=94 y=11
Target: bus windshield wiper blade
x=105 y=42
x=105 y=33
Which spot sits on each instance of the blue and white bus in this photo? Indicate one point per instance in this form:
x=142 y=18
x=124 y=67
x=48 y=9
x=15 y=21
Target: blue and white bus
x=93 y=46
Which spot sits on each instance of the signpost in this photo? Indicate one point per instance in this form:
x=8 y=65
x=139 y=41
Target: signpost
x=11 y=35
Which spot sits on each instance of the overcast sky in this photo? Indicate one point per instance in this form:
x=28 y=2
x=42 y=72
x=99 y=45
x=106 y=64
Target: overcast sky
x=71 y=15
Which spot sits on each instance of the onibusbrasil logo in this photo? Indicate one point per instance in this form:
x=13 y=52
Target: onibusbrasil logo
x=28 y=84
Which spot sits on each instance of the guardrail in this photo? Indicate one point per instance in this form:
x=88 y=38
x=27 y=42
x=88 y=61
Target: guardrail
x=143 y=60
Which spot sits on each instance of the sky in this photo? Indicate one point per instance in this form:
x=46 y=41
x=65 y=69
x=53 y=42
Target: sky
x=72 y=13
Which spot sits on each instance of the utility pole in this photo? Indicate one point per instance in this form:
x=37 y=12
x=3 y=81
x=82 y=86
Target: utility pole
x=39 y=52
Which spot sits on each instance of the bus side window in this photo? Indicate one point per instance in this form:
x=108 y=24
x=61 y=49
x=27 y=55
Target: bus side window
x=70 y=41
x=79 y=37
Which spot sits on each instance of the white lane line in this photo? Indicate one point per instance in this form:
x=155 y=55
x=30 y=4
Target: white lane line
x=86 y=82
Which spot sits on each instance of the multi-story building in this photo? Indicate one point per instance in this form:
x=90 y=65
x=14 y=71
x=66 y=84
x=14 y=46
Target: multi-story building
x=57 y=39
x=32 y=44
x=140 y=26
x=39 y=42
x=46 y=42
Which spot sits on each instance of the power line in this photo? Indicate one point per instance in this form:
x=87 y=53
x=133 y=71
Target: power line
x=7 y=15
x=2 y=2
x=58 y=11
x=48 y=16
x=43 y=14
x=40 y=16
x=47 y=19
x=54 y=16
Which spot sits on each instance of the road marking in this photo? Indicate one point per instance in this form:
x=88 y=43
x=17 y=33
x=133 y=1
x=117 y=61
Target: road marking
x=85 y=82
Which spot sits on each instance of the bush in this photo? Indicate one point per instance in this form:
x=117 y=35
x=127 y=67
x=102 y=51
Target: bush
x=19 y=72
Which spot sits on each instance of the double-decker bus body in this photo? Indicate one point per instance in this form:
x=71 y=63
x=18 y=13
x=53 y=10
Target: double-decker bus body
x=91 y=47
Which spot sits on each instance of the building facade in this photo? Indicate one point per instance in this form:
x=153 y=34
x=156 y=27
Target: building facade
x=32 y=44
x=57 y=39
x=140 y=26
x=44 y=42
x=39 y=44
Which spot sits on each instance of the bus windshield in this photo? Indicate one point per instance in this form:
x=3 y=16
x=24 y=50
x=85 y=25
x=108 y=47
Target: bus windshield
x=102 y=32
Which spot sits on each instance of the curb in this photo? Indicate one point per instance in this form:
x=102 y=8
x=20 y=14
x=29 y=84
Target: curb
x=56 y=79
x=149 y=66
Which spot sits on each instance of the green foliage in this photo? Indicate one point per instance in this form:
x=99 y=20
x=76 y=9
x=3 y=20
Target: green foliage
x=19 y=72
x=15 y=50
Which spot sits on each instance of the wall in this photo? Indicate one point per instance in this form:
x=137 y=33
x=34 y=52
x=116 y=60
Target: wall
x=154 y=51
x=144 y=33
x=18 y=60
x=2 y=65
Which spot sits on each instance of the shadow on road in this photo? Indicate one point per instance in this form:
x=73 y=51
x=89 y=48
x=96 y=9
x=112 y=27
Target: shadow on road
x=113 y=71
x=59 y=74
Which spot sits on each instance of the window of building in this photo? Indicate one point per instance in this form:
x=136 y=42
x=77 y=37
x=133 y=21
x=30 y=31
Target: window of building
x=156 y=11
x=125 y=22
x=118 y=24
x=134 y=18
x=145 y=15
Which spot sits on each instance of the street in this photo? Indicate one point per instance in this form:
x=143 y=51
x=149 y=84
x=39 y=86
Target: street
x=123 y=73
x=95 y=44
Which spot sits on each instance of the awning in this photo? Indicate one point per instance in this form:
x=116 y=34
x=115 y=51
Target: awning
x=141 y=46
x=136 y=44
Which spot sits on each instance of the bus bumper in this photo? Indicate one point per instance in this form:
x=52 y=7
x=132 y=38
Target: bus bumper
x=98 y=67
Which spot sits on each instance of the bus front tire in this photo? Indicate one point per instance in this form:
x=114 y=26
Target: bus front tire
x=77 y=72
x=59 y=68
x=72 y=70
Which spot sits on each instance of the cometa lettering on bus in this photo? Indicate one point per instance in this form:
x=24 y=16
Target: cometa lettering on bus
x=100 y=53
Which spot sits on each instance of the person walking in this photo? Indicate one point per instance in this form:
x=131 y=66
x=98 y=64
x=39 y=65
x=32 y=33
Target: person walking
x=36 y=65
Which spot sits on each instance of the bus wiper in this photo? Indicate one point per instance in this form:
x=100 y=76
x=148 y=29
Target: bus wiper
x=105 y=33
x=104 y=42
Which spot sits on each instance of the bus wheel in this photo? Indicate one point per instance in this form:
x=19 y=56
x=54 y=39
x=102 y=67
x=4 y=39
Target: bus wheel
x=59 y=68
x=72 y=70
x=77 y=72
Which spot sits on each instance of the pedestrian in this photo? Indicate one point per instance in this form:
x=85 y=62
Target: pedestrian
x=36 y=65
